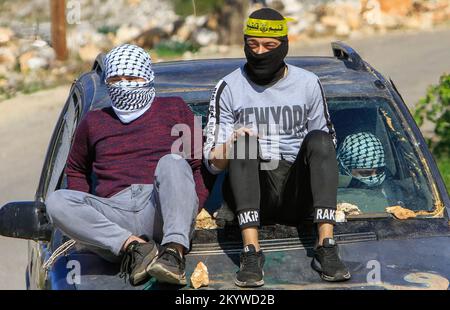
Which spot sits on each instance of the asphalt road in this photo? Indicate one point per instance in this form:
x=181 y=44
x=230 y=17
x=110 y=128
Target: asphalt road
x=414 y=61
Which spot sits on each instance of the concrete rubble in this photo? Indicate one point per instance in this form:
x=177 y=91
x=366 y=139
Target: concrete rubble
x=205 y=221
x=345 y=209
x=200 y=276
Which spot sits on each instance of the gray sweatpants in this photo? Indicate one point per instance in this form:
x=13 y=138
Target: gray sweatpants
x=164 y=211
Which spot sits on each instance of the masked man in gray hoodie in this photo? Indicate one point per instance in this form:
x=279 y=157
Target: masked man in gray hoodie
x=269 y=126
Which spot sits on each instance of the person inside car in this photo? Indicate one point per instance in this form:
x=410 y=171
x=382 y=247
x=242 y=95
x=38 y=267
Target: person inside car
x=269 y=126
x=144 y=195
x=361 y=156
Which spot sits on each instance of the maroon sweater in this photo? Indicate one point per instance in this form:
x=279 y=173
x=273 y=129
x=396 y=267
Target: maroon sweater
x=124 y=154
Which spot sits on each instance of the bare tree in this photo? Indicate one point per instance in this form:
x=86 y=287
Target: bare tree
x=58 y=16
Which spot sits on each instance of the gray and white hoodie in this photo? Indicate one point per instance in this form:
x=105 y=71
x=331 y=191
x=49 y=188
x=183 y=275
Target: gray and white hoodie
x=281 y=114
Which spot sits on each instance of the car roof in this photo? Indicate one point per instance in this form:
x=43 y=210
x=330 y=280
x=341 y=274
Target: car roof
x=344 y=75
x=202 y=75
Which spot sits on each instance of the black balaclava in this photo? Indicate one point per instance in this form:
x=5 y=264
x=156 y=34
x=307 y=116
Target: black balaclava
x=269 y=67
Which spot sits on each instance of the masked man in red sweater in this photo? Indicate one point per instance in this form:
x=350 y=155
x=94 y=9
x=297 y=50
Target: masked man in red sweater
x=143 y=207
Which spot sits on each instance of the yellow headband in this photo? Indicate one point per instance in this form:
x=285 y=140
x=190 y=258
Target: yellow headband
x=266 y=28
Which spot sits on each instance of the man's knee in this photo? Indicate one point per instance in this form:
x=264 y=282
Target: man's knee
x=58 y=203
x=172 y=162
x=174 y=169
x=55 y=204
x=319 y=143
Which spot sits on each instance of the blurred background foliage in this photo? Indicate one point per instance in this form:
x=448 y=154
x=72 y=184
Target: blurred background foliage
x=196 y=7
x=435 y=108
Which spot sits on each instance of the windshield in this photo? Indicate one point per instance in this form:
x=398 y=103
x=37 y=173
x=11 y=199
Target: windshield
x=378 y=164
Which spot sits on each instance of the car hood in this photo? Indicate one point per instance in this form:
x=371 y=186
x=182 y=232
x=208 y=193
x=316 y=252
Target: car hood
x=418 y=263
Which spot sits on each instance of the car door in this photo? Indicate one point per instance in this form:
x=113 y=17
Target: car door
x=52 y=178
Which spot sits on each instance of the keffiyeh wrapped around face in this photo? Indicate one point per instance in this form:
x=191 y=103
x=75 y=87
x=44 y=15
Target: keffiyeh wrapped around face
x=362 y=151
x=130 y=99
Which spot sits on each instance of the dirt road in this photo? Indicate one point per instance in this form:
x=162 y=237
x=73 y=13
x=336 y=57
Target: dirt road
x=26 y=124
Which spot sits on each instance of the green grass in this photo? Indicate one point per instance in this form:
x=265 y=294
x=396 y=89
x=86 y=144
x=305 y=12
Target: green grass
x=107 y=29
x=444 y=168
x=198 y=7
x=172 y=49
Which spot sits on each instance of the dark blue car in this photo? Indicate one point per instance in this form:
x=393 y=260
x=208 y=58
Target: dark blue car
x=382 y=251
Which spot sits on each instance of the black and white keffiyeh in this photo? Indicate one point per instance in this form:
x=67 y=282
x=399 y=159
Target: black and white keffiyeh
x=130 y=96
x=362 y=151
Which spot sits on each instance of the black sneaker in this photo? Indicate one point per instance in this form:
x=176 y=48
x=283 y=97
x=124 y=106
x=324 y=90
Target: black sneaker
x=327 y=262
x=250 y=272
x=137 y=257
x=169 y=267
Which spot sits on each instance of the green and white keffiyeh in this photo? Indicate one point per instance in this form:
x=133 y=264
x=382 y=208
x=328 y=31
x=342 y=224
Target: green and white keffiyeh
x=362 y=151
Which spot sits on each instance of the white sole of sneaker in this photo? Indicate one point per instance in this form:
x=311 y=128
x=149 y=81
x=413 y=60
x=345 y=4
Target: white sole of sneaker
x=249 y=284
x=142 y=276
x=345 y=277
x=165 y=276
x=317 y=267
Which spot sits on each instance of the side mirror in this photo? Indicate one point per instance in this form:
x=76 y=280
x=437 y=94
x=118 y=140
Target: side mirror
x=25 y=220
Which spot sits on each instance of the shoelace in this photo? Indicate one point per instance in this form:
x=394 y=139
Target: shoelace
x=125 y=266
x=128 y=261
x=173 y=254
